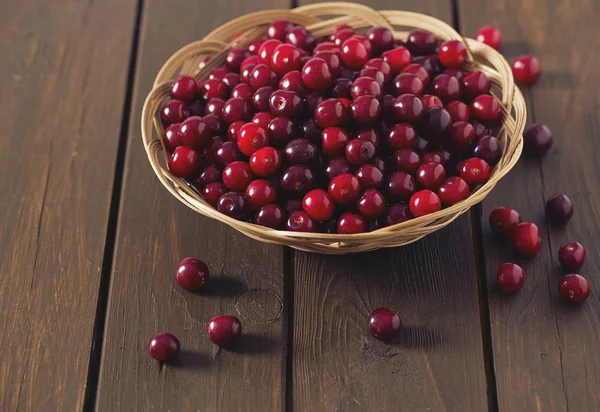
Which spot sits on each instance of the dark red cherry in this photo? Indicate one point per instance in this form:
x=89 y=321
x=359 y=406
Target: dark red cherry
x=164 y=347
x=272 y=216
x=418 y=71
x=431 y=175
x=370 y=134
x=300 y=221
x=453 y=190
x=330 y=113
x=371 y=204
x=237 y=175
x=424 y=202
x=236 y=109
x=215 y=107
x=437 y=121
x=559 y=208
x=511 y=278
x=526 y=70
x=251 y=137
x=408 y=108
x=481 y=129
x=462 y=135
x=344 y=188
x=301 y=151
x=406 y=160
x=334 y=140
x=191 y=274
x=489 y=149
x=234 y=58
x=318 y=204
x=455 y=73
x=395 y=214
x=281 y=131
x=184 y=89
x=228 y=152
x=429 y=101
x=459 y=112
x=526 y=238
x=247 y=65
x=401 y=186
x=233 y=130
x=398 y=59
x=285 y=103
x=485 y=107
x=340 y=36
x=504 y=220
x=381 y=66
x=574 y=288
x=384 y=324
x=262 y=119
x=351 y=223
x=447 y=88
x=285 y=58
x=265 y=162
x=475 y=171
x=355 y=52
x=452 y=54
x=341 y=88
x=172 y=137
x=316 y=74
x=365 y=86
x=491 y=36
x=224 y=331
x=407 y=83
x=297 y=180
x=210 y=174
x=369 y=177
x=365 y=110
x=259 y=193
x=359 y=151
x=292 y=81
x=474 y=84
x=537 y=139
x=336 y=167
x=185 y=162
x=266 y=50
x=571 y=255
x=278 y=29
x=174 y=111
x=327 y=46
x=262 y=76
x=421 y=42
x=232 y=204
x=381 y=39
x=254 y=45
x=333 y=61
x=218 y=73
x=214 y=89
x=243 y=91
x=301 y=38
x=215 y=124
x=212 y=192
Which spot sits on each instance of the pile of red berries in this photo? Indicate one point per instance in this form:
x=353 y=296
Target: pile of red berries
x=526 y=239
x=344 y=134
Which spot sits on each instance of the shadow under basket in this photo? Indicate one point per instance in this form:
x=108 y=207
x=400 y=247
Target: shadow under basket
x=321 y=19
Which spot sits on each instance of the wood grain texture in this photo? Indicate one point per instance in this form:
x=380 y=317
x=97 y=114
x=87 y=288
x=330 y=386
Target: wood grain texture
x=545 y=351
x=59 y=139
x=155 y=232
x=437 y=361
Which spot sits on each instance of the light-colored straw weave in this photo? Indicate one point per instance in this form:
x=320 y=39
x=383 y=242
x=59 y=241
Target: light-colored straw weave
x=321 y=19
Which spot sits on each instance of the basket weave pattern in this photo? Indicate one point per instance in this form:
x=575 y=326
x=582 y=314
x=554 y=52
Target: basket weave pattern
x=318 y=19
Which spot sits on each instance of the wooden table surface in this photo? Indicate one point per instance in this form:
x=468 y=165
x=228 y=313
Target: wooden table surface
x=89 y=239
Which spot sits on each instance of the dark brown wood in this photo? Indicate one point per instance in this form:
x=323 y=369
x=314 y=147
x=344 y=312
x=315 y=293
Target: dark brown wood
x=62 y=84
x=545 y=351
x=155 y=232
x=437 y=361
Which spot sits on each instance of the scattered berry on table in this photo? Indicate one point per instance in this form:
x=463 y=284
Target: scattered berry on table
x=224 y=331
x=491 y=36
x=384 y=323
x=510 y=277
x=526 y=70
x=559 y=208
x=526 y=238
x=191 y=274
x=504 y=220
x=574 y=288
x=164 y=347
x=571 y=255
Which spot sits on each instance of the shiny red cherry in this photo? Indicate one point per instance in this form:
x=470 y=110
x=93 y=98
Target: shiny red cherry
x=344 y=188
x=526 y=238
x=384 y=324
x=511 y=277
x=318 y=204
x=164 y=347
x=571 y=255
x=475 y=171
x=574 y=288
x=184 y=89
x=424 y=202
x=265 y=162
x=224 y=331
x=185 y=162
x=453 y=190
x=504 y=220
x=526 y=70
x=351 y=223
x=191 y=274
x=491 y=36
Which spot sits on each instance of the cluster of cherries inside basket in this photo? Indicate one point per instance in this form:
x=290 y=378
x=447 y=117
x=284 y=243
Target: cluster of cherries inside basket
x=344 y=134
x=347 y=134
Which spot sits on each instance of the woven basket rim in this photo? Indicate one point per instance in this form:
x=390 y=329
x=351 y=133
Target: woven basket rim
x=358 y=16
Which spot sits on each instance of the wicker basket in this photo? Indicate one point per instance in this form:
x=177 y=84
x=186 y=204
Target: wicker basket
x=187 y=60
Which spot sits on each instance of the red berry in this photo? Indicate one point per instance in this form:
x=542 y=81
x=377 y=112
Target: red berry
x=236 y=109
x=369 y=176
x=272 y=216
x=365 y=86
x=215 y=107
x=398 y=59
x=251 y=137
x=452 y=54
x=212 y=192
x=401 y=186
x=459 y=112
x=446 y=87
x=316 y=74
x=408 y=108
x=475 y=171
x=266 y=50
x=333 y=61
x=228 y=152
x=254 y=45
x=419 y=71
x=462 y=135
x=384 y=324
x=301 y=151
x=504 y=220
x=526 y=238
x=336 y=167
x=191 y=274
x=292 y=81
x=209 y=175
x=340 y=36
x=262 y=119
x=355 y=52
x=172 y=137
x=243 y=91
x=559 y=208
x=327 y=46
x=297 y=180
x=571 y=255
x=429 y=101
x=218 y=73
x=511 y=278
x=407 y=83
x=334 y=140
x=491 y=36
x=285 y=58
x=421 y=42
x=395 y=214
x=371 y=204
x=344 y=188
x=424 y=202
x=237 y=176
x=263 y=76
x=330 y=113
x=301 y=38
x=214 y=89
x=359 y=151
x=431 y=175
x=224 y=331
x=474 y=84
x=279 y=29
x=234 y=58
x=185 y=162
x=281 y=130
x=453 y=190
x=537 y=139
x=285 y=103
x=489 y=149
x=486 y=108
x=381 y=66
x=526 y=70
x=406 y=160
x=351 y=223
x=164 y=347
x=184 y=89
x=318 y=204
x=381 y=39
x=260 y=192
x=402 y=136
x=174 y=111
x=265 y=162
x=574 y=288
x=365 y=110
x=300 y=221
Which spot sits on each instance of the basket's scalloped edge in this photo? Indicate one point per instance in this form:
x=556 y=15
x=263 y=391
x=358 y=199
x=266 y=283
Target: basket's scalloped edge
x=186 y=60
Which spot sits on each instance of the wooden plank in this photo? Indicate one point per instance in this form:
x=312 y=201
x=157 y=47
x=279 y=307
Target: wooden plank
x=61 y=115
x=437 y=362
x=545 y=351
x=155 y=232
